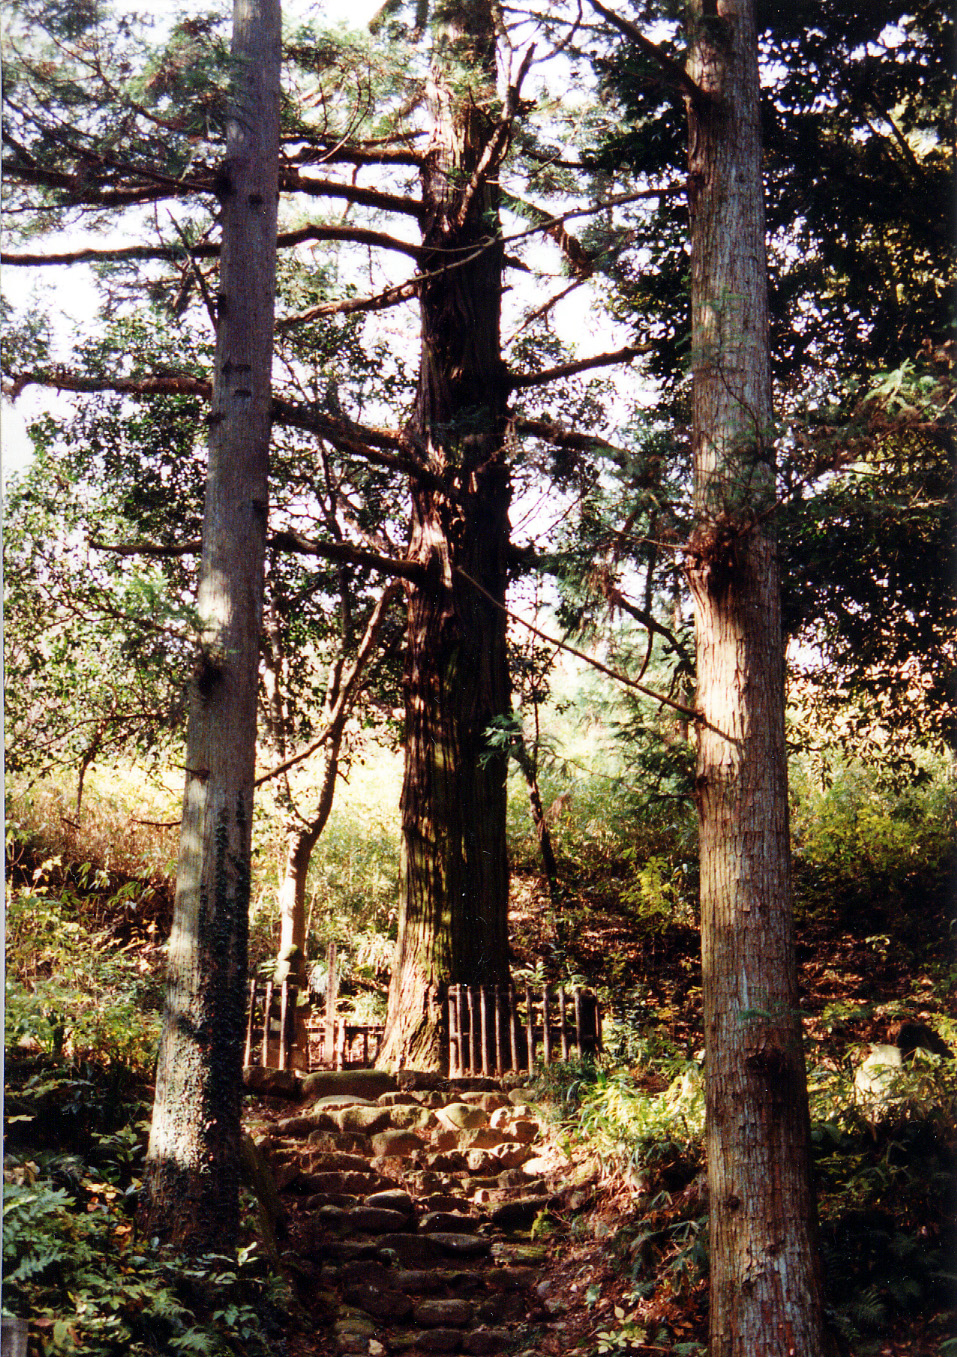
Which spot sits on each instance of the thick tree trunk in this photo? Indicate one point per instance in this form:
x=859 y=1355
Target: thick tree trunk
x=454 y=904
x=765 y=1285
x=193 y=1163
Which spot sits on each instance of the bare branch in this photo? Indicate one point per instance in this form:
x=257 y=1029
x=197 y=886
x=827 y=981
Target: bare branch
x=588 y=659
x=600 y=360
x=291 y=181
x=348 y=687
x=289 y=540
x=673 y=69
x=174 y=253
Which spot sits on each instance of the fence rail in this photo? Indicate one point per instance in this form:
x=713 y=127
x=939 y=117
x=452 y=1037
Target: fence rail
x=493 y=1028
x=277 y=1032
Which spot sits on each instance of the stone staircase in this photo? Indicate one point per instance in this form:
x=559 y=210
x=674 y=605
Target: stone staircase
x=411 y=1199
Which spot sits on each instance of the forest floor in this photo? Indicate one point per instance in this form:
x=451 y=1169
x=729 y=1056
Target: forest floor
x=625 y=1262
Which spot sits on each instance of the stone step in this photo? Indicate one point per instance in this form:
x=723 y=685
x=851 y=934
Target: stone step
x=413 y=1204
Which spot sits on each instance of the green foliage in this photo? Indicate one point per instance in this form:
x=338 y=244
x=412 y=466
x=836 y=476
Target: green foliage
x=74 y=1267
x=70 y=991
x=869 y=853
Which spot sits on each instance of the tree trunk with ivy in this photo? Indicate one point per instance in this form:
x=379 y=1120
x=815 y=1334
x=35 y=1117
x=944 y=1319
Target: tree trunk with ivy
x=191 y=1183
x=765 y=1277
x=454 y=902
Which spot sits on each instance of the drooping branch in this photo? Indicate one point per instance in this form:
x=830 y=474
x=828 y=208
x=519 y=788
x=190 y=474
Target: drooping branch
x=551 y=432
x=329 y=152
x=675 y=72
x=521 y=381
x=615 y=674
x=380 y=301
x=357 y=440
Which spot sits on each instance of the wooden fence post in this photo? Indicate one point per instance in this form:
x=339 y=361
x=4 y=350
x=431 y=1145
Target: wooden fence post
x=332 y=993
x=248 y=1053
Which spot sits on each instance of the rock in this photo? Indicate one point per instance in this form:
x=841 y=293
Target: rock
x=460 y=1245
x=411 y=1250
x=481 y=1138
x=534 y=1168
x=418 y=1281
x=474 y=1083
x=488 y=1102
x=482 y=1342
x=297 y=1127
x=918 y=1036
x=334 y=1161
x=461 y=1117
x=362 y=1118
x=515 y=1278
x=395 y=1200
x=347 y=1250
x=481 y=1161
x=414 y=1081
x=411 y=1118
x=444 y=1201
x=344 y=1200
x=433 y=1340
x=361 y=1083
x=271 y=1083
x=514 y=1127
x=398 y=1099
x=395 y=1144
x=875 y=1079
x=520 y=1213
x=333 y=1102
x=489 y=1311
x=381 y=1302
x=518 y=1096
x=432 y=1098
x=447 y=1221
x=446 y=1163
x=375 y=1220
x=442 y=1313
x=423 y=1181
x=333 y=1218
x=511 y=1155
x=334 y=1141
x=532 y=1255
x=359 y=1183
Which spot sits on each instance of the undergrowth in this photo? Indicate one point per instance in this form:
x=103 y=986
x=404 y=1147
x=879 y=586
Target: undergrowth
x=884 y=1166
x=73 y=1262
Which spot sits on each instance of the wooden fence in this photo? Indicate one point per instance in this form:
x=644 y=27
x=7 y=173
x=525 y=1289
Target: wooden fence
x=278 y=1033
x=492 y=1028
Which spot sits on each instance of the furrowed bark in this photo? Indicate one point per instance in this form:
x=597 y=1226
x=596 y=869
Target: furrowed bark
x=193 y=1163
x=765 y=1283
x=454 y=902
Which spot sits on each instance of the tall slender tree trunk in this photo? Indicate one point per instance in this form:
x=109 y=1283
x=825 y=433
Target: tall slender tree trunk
x=193 y=1163
x=765 y=1283
x=454 y=905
